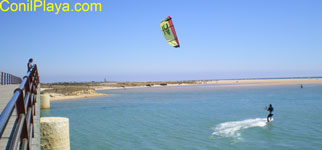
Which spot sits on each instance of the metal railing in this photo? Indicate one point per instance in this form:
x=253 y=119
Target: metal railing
x=6 y=78
x=23 y=100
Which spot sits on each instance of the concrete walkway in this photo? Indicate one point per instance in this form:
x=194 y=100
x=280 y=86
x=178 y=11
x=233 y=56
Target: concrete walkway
x=6 y=92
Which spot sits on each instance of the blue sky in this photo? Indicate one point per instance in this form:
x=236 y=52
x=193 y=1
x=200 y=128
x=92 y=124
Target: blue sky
x=219 y=40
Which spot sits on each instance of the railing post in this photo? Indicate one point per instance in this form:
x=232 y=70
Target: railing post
x=20 y=107
x=4 y=78
x=9 y=78
x=1 y=77
x=31 y=104
x=27 y=85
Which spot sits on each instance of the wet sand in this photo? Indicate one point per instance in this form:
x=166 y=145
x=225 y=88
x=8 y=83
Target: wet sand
x=57 y=97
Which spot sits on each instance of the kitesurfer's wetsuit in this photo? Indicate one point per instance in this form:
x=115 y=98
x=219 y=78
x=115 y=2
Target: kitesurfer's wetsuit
x=270 y=109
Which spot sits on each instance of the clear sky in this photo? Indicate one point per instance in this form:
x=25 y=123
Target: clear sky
x=219 y=40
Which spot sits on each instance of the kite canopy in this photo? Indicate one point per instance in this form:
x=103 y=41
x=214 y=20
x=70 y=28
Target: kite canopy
x=169 y=33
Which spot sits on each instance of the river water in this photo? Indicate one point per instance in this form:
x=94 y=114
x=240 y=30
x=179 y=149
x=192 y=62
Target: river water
x=199 y=117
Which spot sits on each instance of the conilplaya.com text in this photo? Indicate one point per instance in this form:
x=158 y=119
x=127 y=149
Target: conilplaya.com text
x=42 y=5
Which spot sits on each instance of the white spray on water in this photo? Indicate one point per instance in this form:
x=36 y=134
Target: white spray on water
x=232 y=129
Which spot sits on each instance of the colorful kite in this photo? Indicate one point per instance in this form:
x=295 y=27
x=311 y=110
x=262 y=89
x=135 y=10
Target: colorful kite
x=169 y=33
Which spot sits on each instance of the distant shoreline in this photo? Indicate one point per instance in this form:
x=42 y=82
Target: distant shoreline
x=268 y=82
x=75 y=91
x=239 y=82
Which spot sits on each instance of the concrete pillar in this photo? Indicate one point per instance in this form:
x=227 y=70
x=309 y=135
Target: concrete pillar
x=54 y=133
x=44 y=101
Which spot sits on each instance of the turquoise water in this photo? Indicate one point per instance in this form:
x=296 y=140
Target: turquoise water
x=196 y=117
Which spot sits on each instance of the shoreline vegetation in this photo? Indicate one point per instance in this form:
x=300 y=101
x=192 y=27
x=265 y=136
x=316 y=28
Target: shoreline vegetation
x=81 y=90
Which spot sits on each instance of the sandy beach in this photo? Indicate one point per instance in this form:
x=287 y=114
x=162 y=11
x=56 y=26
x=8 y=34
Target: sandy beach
x=241 y=82
x=266 y=82
x=79 y=92
x=57 y=97
x=71 y=93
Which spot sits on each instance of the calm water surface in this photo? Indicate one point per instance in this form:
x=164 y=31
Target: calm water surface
x=196 y=117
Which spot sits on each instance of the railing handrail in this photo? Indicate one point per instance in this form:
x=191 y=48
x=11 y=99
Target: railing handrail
x=7 y=78
x=23 y=100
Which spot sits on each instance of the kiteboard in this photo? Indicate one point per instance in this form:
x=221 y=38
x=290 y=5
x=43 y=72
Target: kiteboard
x=270 y=120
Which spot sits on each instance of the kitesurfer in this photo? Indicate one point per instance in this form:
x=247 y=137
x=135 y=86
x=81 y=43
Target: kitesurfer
x=270 y=109
x=29 y=65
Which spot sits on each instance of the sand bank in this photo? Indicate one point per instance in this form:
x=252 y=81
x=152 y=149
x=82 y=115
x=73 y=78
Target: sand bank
x=70 y=93
x=57 y=97
x=129 y=87
x=82 y=96
x=266 y=82
x=243 y=82
x=64 y=92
